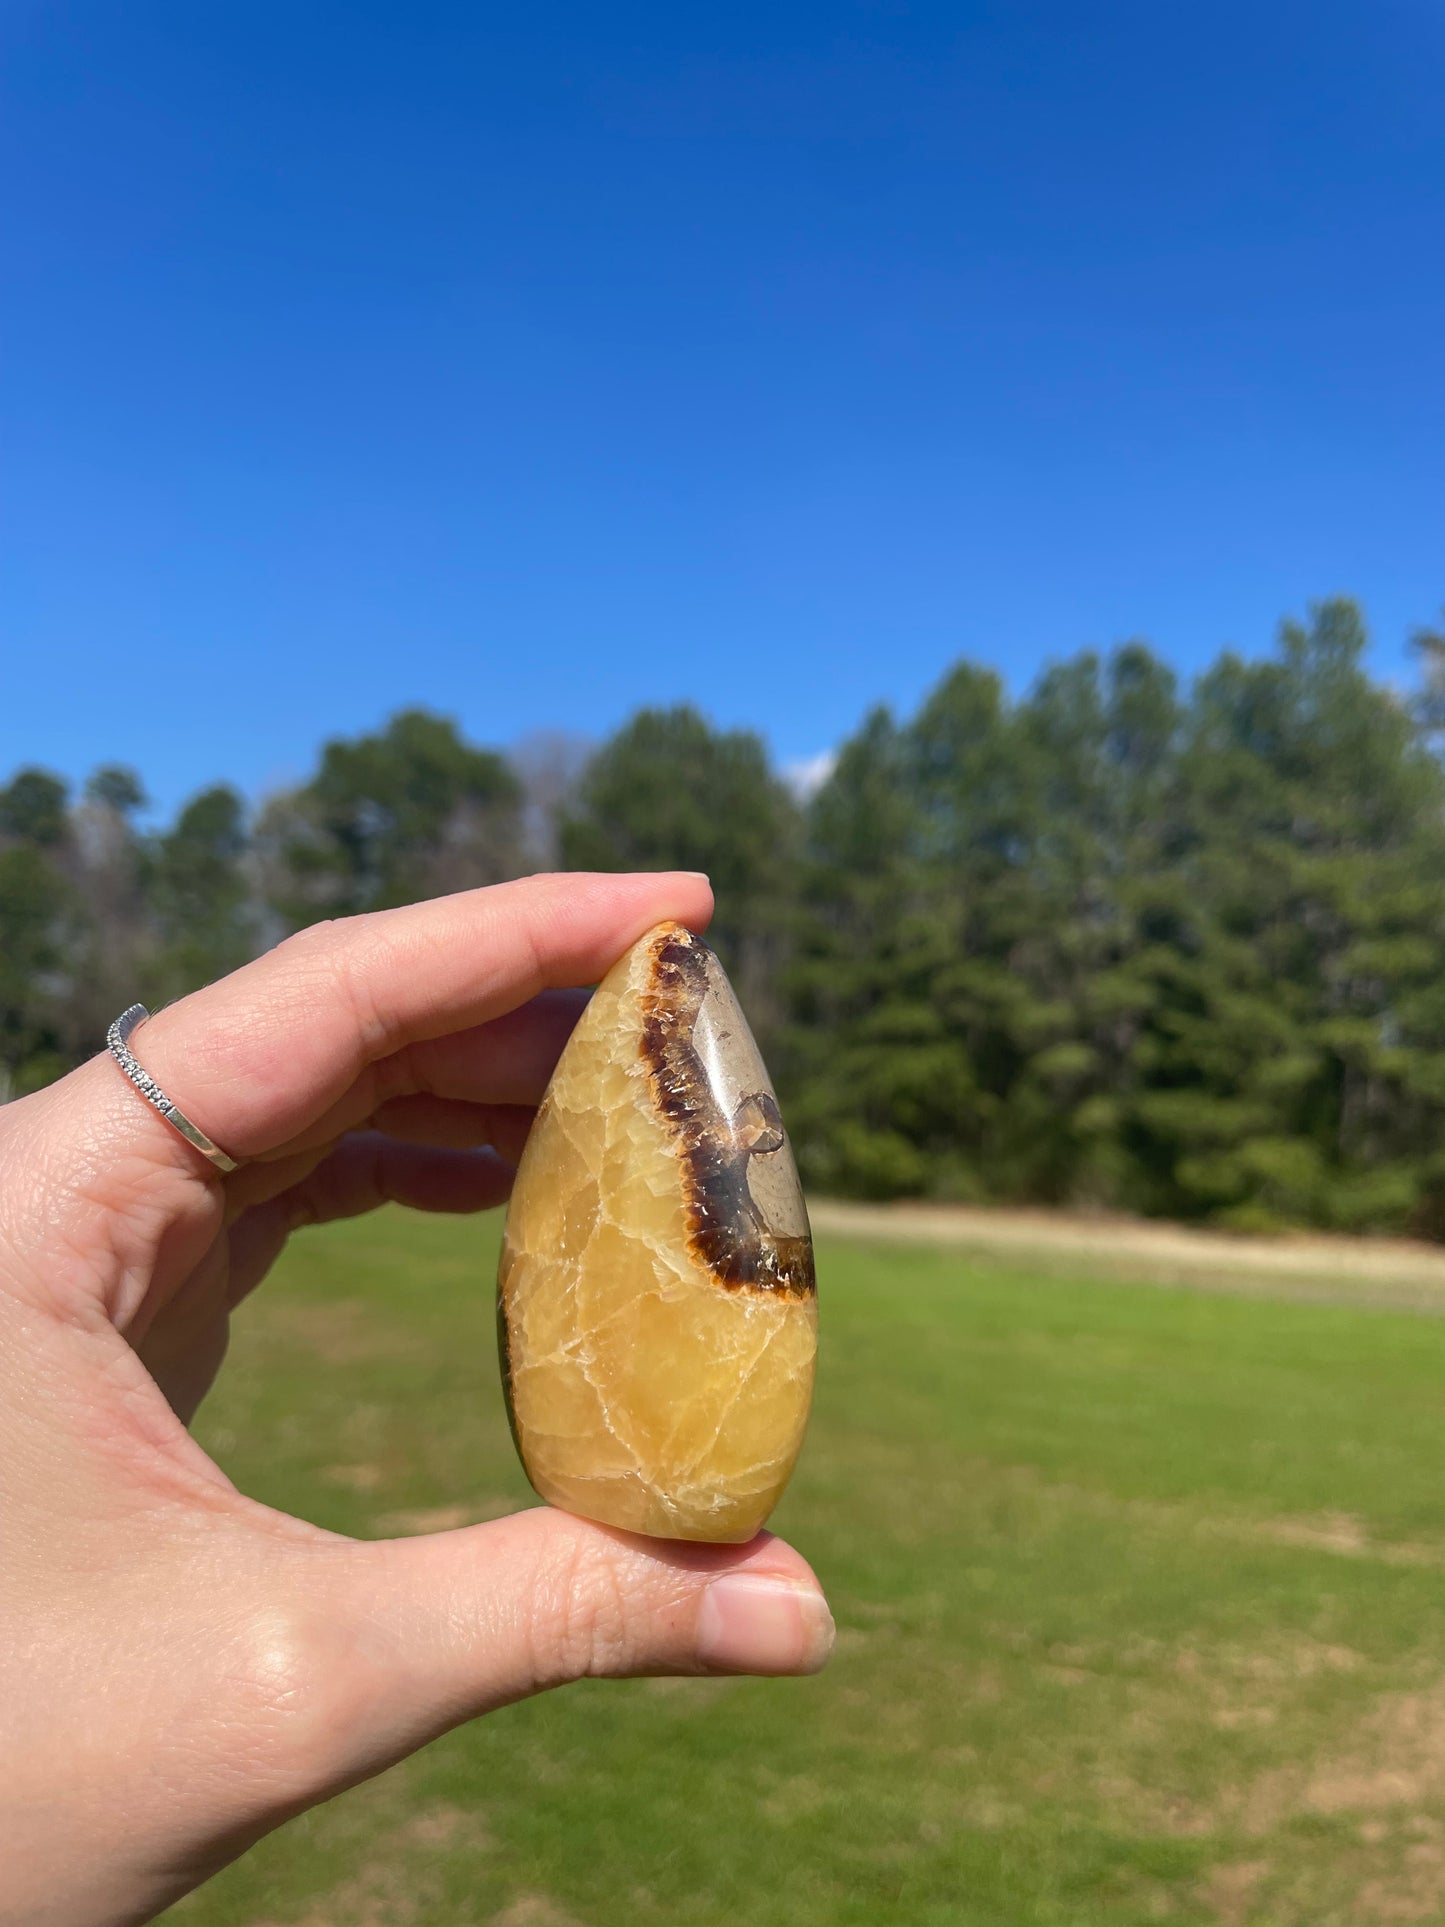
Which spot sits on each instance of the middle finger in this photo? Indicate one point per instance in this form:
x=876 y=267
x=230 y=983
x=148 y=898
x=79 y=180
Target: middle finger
x=505 y=1063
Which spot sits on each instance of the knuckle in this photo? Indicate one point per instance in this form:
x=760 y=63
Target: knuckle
x=395 y=1076
x=353 y=963
x=286 y=1705
x=582 y=1617
x=333 y=963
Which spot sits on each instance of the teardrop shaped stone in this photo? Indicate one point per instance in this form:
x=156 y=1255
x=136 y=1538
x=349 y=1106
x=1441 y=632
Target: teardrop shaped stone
x=656 y=1301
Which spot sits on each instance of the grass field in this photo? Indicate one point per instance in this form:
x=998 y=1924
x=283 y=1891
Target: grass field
x=1141 y=1598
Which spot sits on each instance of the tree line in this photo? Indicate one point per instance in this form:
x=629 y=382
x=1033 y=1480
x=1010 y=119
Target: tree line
x=1113 y=944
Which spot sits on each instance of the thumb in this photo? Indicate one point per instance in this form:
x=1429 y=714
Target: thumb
x=424 y=1633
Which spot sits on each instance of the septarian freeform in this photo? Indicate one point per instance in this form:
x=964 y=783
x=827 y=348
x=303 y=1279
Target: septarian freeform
x=656 y=1301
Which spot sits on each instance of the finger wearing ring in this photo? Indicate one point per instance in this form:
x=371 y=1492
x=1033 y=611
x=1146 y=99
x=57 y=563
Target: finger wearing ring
x=118 y=1043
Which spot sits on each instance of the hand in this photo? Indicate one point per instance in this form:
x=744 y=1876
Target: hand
x=181 y=1669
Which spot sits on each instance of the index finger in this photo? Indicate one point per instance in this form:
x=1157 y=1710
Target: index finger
x=258 y=1056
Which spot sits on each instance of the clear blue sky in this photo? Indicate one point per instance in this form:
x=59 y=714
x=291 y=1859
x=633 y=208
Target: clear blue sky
x=535 y=362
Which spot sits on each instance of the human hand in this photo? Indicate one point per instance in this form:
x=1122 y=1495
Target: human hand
x=181 y=1668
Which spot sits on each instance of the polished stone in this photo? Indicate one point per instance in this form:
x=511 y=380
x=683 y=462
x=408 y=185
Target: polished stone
x=656 y=1298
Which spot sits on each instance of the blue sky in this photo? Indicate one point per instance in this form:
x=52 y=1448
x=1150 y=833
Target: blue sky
x=537 y=362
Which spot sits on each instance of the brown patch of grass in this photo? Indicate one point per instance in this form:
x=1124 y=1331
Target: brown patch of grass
x=534 y=1910
x=1228 y=1889
x=342 y=1333
x=1340 y=1534
x=1397 y=1271
x=379 y=1894
x=398 y=1879
x=696 y=1692
x=1397 y=1762
x=988 y=1810
x=1237 y=1719
x=356 y=1478
x=852 y=1639
x=1157 y=1810
x=1331 y=1532
x=1345 y=1535
x=441 y=1518
x=441 y=1825
x=1414 y=1890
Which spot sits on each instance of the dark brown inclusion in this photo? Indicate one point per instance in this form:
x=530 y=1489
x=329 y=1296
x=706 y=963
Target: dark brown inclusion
x=726 y=1229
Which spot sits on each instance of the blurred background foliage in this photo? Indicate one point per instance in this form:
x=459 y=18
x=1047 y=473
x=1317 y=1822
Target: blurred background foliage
x=1113 y=944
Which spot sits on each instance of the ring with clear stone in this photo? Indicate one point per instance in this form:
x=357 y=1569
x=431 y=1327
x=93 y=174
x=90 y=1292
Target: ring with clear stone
x=117 y=1040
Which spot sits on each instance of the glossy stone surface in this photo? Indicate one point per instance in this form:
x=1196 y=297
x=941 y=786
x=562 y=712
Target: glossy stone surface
x=656 y=1300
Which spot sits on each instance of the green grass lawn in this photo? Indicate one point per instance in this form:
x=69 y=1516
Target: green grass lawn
x=1140 y=1594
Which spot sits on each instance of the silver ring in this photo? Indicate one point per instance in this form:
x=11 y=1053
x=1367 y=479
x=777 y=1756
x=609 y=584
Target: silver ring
x=117 y=1040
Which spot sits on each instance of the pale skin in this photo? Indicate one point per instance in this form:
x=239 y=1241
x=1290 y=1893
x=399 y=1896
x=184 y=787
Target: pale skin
x=181 y=1668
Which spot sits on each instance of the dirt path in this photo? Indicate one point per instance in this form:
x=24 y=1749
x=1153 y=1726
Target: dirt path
x=1394 y=1271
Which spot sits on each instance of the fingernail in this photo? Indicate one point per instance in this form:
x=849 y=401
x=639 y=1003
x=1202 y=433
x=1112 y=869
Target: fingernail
x=701 y=875
x=751 y=1624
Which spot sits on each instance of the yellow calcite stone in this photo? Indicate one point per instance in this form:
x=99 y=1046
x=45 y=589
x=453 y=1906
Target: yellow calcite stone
x=656 y=1300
